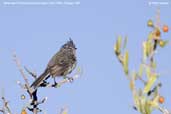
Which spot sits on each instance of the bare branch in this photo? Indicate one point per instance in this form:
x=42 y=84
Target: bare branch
x=163 y=110
x=33 y=74
x=33 y=105
x=74 y=77
x=17 y=61
x=64 y=110
x=5 y=106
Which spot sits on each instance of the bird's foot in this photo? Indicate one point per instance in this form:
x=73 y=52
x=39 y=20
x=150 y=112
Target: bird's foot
x=44 y=84
x=71 y=79
x=55 y=85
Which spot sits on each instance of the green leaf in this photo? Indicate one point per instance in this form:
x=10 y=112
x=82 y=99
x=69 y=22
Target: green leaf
x=150 y=83
x=144 y=51
x=153 y=64
x=150 y=36
x=154 y=103
x=140 y=72
x=148 y=72
x=136 y=101
x=149 y=47
x=117 y=47
x=132 y=83
x=141 y=106
x=125 y=63
x=147 y=108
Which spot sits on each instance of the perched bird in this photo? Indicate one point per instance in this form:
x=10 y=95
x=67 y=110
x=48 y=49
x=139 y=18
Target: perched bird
x=61 y=64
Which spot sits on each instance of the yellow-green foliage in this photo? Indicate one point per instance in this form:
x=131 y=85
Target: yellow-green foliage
x=146 y=98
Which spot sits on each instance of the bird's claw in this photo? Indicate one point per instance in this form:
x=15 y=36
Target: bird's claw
x=55 y=84
x=70 y=79
x=44 y=84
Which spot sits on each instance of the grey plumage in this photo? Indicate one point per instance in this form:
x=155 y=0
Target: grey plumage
x=61 y=64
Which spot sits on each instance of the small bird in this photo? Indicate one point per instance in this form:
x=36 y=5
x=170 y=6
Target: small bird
x=61 y=64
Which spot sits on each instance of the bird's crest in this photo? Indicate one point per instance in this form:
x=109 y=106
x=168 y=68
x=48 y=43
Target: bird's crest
x=70 y=43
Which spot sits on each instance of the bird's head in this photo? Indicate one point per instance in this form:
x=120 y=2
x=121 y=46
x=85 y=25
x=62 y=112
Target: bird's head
x=69 y=45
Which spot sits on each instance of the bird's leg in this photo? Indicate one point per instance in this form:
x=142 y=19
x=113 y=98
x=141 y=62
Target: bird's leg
x=47 y=77
x=55 y=83
x=54 y=80
x=69 y=78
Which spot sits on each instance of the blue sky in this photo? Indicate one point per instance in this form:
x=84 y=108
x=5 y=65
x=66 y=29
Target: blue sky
x=37 y=32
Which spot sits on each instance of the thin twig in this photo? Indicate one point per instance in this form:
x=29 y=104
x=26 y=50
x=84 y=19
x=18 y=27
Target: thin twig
x=163 y=110
x=33 y=95
x=64 y=110
x=5 y=106
x=22 y=73
x=34 y=75
x=60 y=83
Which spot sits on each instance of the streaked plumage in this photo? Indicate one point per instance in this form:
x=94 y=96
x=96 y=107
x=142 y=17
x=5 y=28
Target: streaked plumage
x=61 y=64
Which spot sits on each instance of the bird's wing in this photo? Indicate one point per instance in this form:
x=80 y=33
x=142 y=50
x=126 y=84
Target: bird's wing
x=58 y=64
x=59 y=59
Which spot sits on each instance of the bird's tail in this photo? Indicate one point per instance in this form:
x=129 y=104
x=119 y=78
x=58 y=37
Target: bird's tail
x=40 y=79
